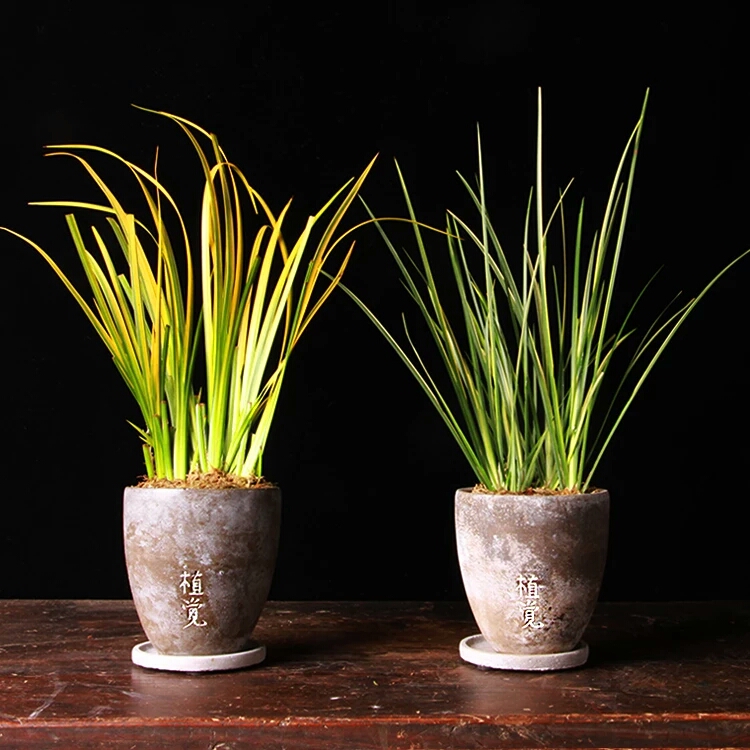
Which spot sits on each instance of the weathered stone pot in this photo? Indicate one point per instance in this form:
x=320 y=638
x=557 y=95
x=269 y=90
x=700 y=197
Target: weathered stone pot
x=532 y=567
x=200 y=564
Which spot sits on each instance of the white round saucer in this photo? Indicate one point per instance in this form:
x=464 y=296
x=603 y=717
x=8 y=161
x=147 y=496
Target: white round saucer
x=145 y=655
x=476 y=650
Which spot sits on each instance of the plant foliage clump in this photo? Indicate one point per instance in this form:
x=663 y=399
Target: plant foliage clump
x=536 y=346
x=235 y=317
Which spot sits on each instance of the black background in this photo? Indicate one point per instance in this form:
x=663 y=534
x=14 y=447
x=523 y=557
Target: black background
x=302 y=98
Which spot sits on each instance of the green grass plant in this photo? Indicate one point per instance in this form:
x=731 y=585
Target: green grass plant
x=231 y=312
x=528 y=359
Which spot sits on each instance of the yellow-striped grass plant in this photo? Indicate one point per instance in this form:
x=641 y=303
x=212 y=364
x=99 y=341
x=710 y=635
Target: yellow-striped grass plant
x=537 y=345
x=241 y=301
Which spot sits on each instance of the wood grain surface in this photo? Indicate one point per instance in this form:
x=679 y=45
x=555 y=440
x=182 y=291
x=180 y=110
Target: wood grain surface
x=361 y=675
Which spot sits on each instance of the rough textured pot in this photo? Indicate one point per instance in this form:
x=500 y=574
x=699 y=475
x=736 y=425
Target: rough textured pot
x=200 y=564
x=532 y=566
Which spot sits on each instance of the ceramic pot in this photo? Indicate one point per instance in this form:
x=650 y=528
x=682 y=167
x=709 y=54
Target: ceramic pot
x=532 y=566
x=200 y=564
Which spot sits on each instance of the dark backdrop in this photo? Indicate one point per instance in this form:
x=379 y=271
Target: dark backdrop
x=301 y=99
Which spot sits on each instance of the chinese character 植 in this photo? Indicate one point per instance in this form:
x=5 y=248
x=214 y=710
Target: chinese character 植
x=527 y=587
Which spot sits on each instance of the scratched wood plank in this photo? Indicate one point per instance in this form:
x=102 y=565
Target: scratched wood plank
x=376 y=675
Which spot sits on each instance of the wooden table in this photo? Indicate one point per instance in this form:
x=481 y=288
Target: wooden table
x=360 y=675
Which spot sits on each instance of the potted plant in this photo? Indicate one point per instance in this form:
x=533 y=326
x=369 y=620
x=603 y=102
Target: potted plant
x=526 y=362
x=201 y=531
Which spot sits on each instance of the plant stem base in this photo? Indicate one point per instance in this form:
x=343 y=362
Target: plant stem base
x=145 y=655
x=476 y=650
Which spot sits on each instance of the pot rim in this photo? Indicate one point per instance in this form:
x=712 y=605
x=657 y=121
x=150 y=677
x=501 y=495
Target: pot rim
x=471 y=491
x=203 y=489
